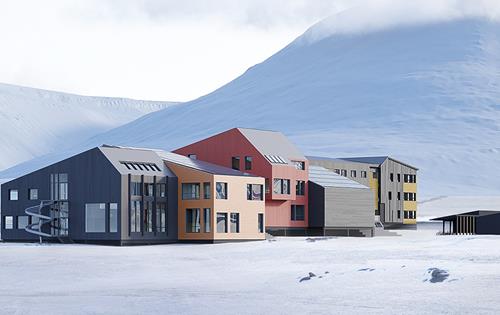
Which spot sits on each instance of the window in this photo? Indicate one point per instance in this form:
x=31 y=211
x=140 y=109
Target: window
x=149 y=189
x=161 y=217
x=135 y=216
x=254 y=192
x=390 y=195
x=408 y=178
x=399 y=178
x=221 y=222
x=337 y=171
x=298 y=213
x=141 y=166
x=248 y=163
x=59 y=186
x=391 y=177
x=22 y=222
x=161 y=190
x=260 y=219
x=33 y=194
x=235 y=162
x=374 y=174
x=235 y=223
x=405 y=214
x=193 y=221
x=190 y=191
x=300 y=188
x=207 y=220
x=399 y=214
x=13 y=194
x=221 y=190
x=353 y=173
x=113 y=217
x=266 y=184
x=300 y=165
x=343 y=173
x=8 y=222
x=192 y=156
x=410 y=196
x=281 y=186
x=206 y=190
x=148 y=216
x=135 y=188
x=95 y=217
x=399 y=195
x=363 y=174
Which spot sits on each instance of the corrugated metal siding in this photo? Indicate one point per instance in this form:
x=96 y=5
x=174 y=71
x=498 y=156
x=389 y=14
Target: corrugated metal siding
x=348 y=207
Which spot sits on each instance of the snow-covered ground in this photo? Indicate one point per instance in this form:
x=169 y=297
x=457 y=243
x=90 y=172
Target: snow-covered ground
x=383 y=275
x=446 y=205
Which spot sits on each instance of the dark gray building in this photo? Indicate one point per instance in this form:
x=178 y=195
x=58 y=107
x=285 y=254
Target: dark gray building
x=106 y=195
x=393 y=183
x=339 y=206
x=474 y=222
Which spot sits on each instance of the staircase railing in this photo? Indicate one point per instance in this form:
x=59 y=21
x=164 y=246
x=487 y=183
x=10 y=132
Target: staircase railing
x=42 y=219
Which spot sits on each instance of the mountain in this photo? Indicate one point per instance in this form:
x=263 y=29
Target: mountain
x=35 y=122
x=427 y=94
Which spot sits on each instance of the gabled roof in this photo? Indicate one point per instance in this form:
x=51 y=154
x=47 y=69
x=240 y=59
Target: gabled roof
x=327 y=178
x=273 y=145
x=477 y=213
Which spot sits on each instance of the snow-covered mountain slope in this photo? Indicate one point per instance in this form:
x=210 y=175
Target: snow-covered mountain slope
x=426 y=94
x=35 y=122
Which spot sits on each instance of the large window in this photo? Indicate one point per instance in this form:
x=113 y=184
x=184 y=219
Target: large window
x=95 y=217
x=8 y=222
x=59 y=186
x=260 y=219
x=300 y=188
x=207 y=219
x=135 y=188
x=235 y=162
x=148 y=216
x=190 y=191
x=221 y=190
x=281 y=186
x=254 y=192
x=206 y=190
x=193 y=221
x=248 y=163
x=22 y=222
x=161 y=190
x=135 y=216
x=298 y=213
x=13 y=194
x=408 y=178
x=113 y=217
x=149 y=189
x=221 y=222
x=410 y=196
x=161 y=217
x=33 y=194
x=235 y=223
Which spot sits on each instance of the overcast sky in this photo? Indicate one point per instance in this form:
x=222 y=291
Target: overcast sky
x=175 y=50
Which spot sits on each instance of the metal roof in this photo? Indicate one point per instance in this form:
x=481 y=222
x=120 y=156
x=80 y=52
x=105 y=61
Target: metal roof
x=373 y=160
x=477 y=213
x=272 y=143
x=327 y=178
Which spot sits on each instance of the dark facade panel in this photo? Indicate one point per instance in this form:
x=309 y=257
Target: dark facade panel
x=489 y=224
x=316 y=205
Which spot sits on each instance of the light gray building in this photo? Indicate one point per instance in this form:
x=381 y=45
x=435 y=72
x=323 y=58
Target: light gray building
x=393 y=184
x=339 y=206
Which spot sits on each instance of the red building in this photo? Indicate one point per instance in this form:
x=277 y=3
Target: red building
x=268 y=154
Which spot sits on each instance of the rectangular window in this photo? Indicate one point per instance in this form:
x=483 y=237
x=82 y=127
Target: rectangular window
x=399 y=214
x=353 y=173
x=148 y=216
x=300 y=188
x=281 y=186
x=260 y=218
x=149 y=189
x=135 y=216
x=207 y=219
x=235 y=162
x=399 y=195
x=113 y=217
x=300 y=165
x=254 y=192
x=221 y=190
x=248 y=163
x=235 y=223
x=13 y=194
x=190 y=191
x=399 y=178
x=192 y=156
x=135 y=188
x=268 y=189
x=22 y=222
x=8 y=222
x=193 y=221
x=206 y=191
x=298 y=213
x=363 y=174
x=161 y=190
x=161 y=217
x=343 y=173
x=95 y=217
x=374 y=174
x=391 y=177
x=337 y=171
x=390 y=195
x=221 y=222
x=33 y=194
x=405 y=214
